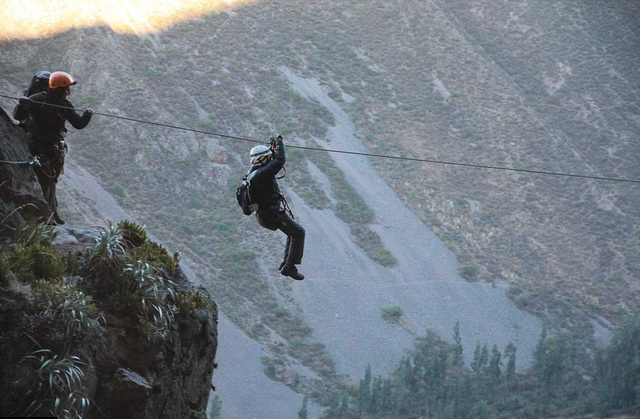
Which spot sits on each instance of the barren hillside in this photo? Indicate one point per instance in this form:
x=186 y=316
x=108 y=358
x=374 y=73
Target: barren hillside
x=541 y=86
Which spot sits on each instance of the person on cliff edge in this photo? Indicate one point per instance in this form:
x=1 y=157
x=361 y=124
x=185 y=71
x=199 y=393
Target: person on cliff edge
x=46 y=114
x=273 y=211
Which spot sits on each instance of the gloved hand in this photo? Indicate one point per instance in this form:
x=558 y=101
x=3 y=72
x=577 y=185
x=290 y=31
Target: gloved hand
x=272 y=141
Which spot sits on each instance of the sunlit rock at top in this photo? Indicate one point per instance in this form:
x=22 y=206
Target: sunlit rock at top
x=27 y=19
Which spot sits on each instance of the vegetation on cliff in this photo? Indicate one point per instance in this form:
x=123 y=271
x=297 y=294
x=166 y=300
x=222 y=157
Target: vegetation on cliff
x=102 y=325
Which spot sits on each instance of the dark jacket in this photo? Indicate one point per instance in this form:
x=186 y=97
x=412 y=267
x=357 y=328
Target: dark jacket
x=47 y=123
x=265 y=185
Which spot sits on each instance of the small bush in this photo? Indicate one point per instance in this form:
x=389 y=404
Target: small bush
x=47 y=263
x=468 y=271
x=35 y=261
x=392 y=314
x=190 y=301
x=28 y=234
x=154 y=254
x=133 y=234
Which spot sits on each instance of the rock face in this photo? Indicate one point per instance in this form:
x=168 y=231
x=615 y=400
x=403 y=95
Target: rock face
x=109 y=366
x=20 y=194
x=126 y=374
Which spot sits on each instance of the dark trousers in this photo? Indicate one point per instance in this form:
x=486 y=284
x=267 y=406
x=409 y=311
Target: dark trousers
x=295 y=234
x=52 y=156
x=48 y=179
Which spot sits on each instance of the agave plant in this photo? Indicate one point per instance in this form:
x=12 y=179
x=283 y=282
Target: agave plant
x=157 y=313
x=65 y=299
x=60 y=379
x=107 y=252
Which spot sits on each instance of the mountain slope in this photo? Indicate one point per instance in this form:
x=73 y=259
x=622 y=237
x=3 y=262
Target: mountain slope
x=534 y=85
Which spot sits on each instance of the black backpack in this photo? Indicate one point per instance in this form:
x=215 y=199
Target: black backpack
x=245 y=194
x=39 y=83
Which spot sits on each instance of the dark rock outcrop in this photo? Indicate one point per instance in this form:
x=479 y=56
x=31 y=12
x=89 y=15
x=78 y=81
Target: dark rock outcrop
x=126 y=371
x=126 y=374
x=20 y=194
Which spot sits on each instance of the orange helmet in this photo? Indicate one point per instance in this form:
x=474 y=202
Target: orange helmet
x=60 y=79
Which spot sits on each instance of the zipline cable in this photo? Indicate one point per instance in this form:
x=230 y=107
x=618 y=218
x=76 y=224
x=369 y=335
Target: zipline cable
x=355 y=153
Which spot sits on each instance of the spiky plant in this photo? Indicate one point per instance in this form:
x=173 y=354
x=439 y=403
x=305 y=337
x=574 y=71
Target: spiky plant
x=133 y=234
x=106 y=253
x=28 y=234
x=64 y=299
x=59 y=383
x=157 y=313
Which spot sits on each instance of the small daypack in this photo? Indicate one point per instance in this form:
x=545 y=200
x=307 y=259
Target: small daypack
x=245 y=194
x=39 y=83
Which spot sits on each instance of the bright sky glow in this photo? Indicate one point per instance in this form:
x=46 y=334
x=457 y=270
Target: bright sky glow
x=27 y=19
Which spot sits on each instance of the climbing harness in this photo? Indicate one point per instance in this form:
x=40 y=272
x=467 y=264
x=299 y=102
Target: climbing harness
x=286 y=207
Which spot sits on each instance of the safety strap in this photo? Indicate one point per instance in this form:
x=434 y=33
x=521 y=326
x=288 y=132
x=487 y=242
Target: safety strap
x=33 y=160
x=286 y=207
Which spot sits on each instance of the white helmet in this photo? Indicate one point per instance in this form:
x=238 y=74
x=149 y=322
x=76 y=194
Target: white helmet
x=260 y=155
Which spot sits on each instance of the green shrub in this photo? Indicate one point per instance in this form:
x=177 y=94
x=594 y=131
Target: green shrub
x=369 y=241
x=21 y=261
x=64 y=299
x=30 y=233
x=353 y=214
x=271 y=366
x=190 y=301
x=468 y=271
x=35 y=261
x=118 y=190
x=47 y=263
x=392 y=314
x=155 y=255
x=133 y=234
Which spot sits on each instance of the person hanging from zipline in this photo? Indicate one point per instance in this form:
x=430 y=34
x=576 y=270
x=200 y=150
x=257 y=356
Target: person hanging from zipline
x=270 y=205
x=46 y=114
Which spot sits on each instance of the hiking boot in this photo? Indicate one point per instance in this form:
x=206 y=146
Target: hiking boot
x=291 y=271
x=57 y=219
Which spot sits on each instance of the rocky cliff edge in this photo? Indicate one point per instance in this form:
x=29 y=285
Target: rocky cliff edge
x=94 y=323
